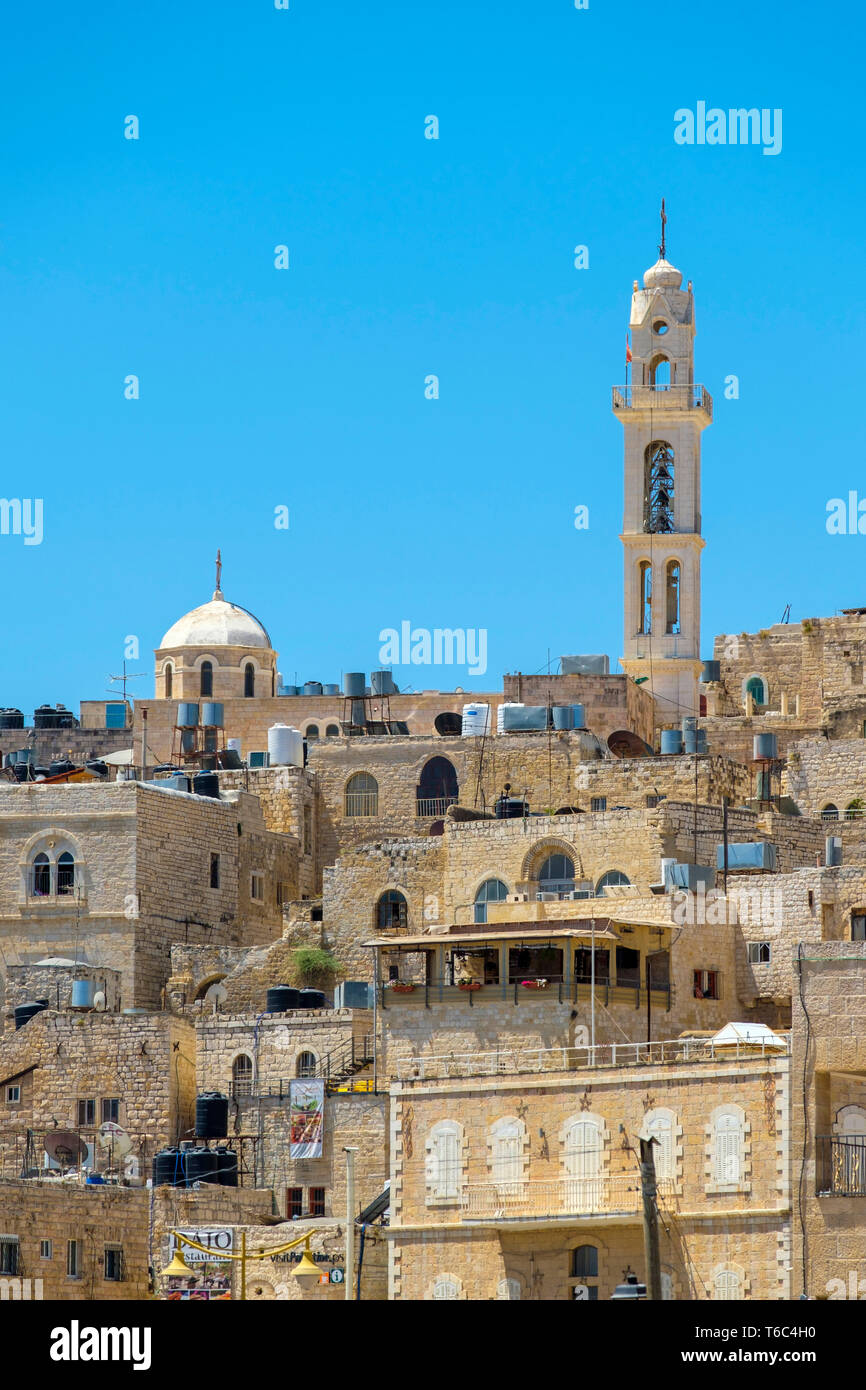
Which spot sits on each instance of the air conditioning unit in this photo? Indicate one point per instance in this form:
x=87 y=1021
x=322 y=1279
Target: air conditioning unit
x=547 y=897
x=260 y=759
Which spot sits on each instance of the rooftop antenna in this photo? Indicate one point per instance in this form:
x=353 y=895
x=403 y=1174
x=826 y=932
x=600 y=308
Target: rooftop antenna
x=787 y=613
x=132 y=676
x=664 y=220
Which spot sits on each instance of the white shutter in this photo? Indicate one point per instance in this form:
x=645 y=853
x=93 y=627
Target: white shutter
x=583 y=1154
x=508 y=1288
x=445 y=1288
x=661 y=1128
x=728 y=1145
x=443 y=1175
x=727 y=1285
x=507 y=1156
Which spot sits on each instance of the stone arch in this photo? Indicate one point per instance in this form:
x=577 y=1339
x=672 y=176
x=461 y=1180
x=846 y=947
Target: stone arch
x=200 y=989
x=755 y=684
x=850 y=1121
x=536 y=856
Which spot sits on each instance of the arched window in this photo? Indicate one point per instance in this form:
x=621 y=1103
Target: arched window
x=332 y=731
x=850 y=1122
x=728 y=1140
x=249 y=681
x=583 y=1154
x=727 y=1285
x=506 y=1155
x=854 y=809
x=659 y=488
x=556 y=874
x=65 y=873
x=392 y=911
x=493 y=890
x=437 y=787
x=169 y=676
x=306 y=1064
x=660 y=372
x=830 y=812
x=659 y=1125
x=613 y=878
x=362 y=793
x=645 y=596
x=446 y=1288
x=443 y=1161
x=509 y=1288
x=672 y=596
x=584 y=1270
x=41 y=876
x=757 y=689
x=206 y=678
x=311 y=733
x=242 y=1075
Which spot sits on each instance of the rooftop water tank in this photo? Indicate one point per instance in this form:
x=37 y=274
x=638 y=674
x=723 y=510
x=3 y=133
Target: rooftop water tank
x=211 y=1115
x=24 y=1012
x=285 y=746
x=563 y=716
x=524 y=718
x=710 y=672
x=382 y=683
x=289 y=690
x=476 y=720
x=199 y=1165
x=354 y=683
x=187 y=714
x=313 y=999
x=206 y=784
x=282 y=998
x=82 y=994
x=330 y=690
x=11 y=719
x=226 y=1166
x=689 y=726
x=579 y=716
x=312 y=687
x=168 y=1168
x=212 y=714
x=765 y=747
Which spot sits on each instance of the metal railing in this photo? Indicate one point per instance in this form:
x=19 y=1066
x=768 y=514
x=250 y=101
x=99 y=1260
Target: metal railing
x=841 y=1167
x=519 y=1061
x=442 y=991
x=335 y=1068
x=572 y=1196
x=433 y=805
x=362 y=804
x=689 y=396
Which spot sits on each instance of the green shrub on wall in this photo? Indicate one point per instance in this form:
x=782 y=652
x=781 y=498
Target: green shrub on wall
x=315 y=967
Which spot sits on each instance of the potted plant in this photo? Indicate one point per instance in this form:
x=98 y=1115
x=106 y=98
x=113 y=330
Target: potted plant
x=469 y=985
x=400 y=986
x=534 y=984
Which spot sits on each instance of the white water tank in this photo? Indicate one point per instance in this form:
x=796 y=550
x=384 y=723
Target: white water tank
x=476 y=720
x=285 y=746
x=234 y=743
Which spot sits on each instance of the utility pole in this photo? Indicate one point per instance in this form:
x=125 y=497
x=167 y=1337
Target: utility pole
x=650 y=1219
x=350 y=1220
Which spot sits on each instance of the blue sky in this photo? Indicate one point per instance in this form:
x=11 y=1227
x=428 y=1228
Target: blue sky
x=409 y=257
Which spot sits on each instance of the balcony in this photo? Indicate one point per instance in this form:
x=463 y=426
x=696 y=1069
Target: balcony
x=556 y=1198
x=433 y=805
x=441 y=990
x=689 y=397
x=841 y=1166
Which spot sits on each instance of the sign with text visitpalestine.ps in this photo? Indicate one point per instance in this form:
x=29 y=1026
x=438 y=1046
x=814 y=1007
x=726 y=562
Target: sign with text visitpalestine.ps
x=307 y=1118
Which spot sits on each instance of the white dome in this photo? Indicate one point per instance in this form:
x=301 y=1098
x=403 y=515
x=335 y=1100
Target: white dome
x=217 y=624
x=662 y=275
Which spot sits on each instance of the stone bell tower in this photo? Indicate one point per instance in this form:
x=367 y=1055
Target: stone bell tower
x=663 y=414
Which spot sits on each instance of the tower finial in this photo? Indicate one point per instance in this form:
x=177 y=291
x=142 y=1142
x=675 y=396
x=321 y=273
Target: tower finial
x=664 y=220
x=219 y=570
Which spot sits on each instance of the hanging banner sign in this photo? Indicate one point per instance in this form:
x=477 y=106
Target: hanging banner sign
x=307 y=1118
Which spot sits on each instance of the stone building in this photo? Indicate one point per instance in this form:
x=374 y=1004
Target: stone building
x=114 y=873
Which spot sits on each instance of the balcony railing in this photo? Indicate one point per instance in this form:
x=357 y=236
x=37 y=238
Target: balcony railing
x=561 y=991
x=691 y=396
x=434 y=805
x=841 y=1169
x=604 y=1194
x=532 y=1061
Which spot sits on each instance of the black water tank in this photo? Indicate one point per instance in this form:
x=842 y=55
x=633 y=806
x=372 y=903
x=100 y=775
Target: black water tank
x=22 y=772
x=206 y=784
x=510 y=808
x=11 y=719
x=211 y=1115
x=227 y=1167
x=200 y=1165
x=168 y=1168
x=24 y=1012
x=97 y=766
x=60 y=765
x=282 y=998
x=312 y=999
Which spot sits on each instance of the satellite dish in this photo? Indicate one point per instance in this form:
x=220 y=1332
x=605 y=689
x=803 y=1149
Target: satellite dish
x=99 y=1000
x=65 y=1147
x=111 y=1136
x=216 y=995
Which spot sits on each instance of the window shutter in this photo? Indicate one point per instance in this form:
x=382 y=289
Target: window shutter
x=728 y=1142
x=445 y=1288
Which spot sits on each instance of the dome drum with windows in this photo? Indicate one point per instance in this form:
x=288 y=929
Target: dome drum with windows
x=218 y=650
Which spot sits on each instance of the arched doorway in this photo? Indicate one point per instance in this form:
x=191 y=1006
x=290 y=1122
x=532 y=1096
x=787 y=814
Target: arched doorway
x=437 y=788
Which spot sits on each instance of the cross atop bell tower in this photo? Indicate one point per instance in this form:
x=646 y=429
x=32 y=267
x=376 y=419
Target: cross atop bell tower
x=218 y=593
x=663 y=413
